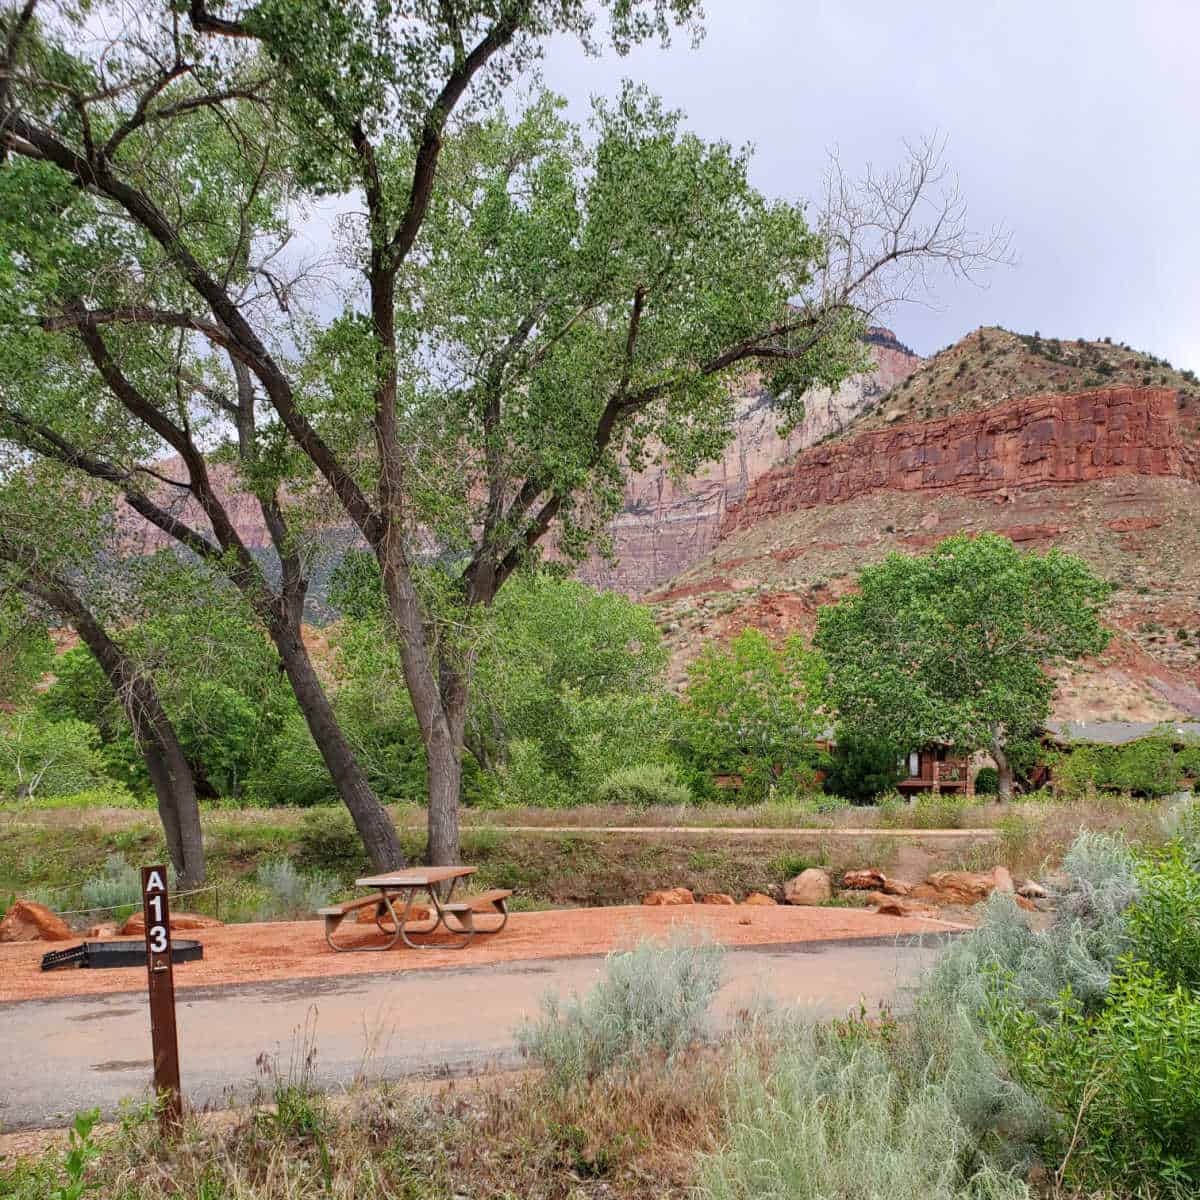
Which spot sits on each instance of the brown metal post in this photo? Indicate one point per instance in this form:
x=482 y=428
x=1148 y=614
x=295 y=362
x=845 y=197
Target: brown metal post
x=161 y=976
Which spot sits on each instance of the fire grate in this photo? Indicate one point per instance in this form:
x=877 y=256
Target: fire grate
x=100 y=955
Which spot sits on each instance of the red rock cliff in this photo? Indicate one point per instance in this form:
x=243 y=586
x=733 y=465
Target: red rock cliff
x=1032 y=442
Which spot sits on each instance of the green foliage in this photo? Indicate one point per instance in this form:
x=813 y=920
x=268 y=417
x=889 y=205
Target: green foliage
x=329 y=842
x=833 y=1117
x=987 y=781
x=290 y=770
x=652 y=1000
x=751 y=710
x=216 y=675
x=644 y=787
x=81 y=1150
x=862 y=767
x=292 y=894
x=1150 y=766
x=1122 y=1081
x=40 y=758
x=955 y=644
x=1164 y=921
x=26 y=651
x=117 y=887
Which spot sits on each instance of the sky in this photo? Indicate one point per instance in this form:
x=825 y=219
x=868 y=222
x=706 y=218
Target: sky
x=1075 y=125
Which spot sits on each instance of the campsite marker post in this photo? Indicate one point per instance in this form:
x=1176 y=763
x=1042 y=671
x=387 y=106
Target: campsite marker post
x=161 y=978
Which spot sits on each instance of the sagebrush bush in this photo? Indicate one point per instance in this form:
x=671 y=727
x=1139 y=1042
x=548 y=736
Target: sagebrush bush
x=643 y=787
x=833 y=1120
x=118 y=885
x=292 y=893
x=653 y=999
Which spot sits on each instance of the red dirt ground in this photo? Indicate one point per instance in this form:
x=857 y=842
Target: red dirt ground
x=297 y=949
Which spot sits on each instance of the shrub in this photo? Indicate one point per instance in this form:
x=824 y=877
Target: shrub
x=653 y=999
x=329 y=842
x=862 y=768
x=1122 y=1081
x=643 y=787
x=832 y=1118
x=1163 y=922
x=987 y=781
x=292 y=894
x=117 y=886
x=526 y=780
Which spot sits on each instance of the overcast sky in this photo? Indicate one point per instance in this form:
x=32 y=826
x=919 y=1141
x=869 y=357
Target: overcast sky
x=1076 y=124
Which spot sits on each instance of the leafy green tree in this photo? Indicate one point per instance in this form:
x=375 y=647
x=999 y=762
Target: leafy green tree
x=955 y=645
x=48 y=758
x=752 y=709
x=862 y=767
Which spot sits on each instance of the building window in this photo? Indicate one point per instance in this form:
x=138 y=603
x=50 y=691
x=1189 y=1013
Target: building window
x=914 y=764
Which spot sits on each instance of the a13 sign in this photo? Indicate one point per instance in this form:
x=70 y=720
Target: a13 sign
x=157 y=913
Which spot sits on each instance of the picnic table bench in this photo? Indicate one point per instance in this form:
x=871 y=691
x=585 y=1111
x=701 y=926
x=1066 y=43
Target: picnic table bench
x=455 y=916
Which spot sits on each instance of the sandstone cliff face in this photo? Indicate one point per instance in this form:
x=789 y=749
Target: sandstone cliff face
x=667 y=525
x=1031 y=442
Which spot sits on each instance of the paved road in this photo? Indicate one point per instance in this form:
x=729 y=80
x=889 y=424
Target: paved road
x=58 y=1056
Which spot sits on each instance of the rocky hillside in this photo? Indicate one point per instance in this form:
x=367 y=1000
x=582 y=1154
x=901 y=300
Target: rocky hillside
x=1109 y=473
x=666 y=525
x=993 y=365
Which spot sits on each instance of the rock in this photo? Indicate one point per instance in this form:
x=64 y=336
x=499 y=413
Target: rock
x=1032 y=891
x=1003 y=880
x=759 y=899
x=955 y=887
x=871 y=880
x=27 y=921
x=745 y=920
x=866 y=880
x=897 y=906
x=717 y=898
x=1025 y=903
x=809 y=887
x=103 y=931
x=136 y=925
x=679 y=895
x=1030 y=442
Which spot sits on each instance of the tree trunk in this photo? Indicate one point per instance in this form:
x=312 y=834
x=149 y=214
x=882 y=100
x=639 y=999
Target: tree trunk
x=445 y=753
x=1004 y=771
x=370 y=817
x=154 y=735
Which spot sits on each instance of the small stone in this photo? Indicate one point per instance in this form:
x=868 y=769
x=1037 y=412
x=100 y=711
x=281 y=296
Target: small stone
x=757 y=898
x=955 y=887
x=810 y=887
x=180 y=920
x=717 y=898
x=1032 y=891
x=669 y=896
x=866 y=880
x=897 y=906
x=1025 y=903
x=745 y=920
x=1003 y=880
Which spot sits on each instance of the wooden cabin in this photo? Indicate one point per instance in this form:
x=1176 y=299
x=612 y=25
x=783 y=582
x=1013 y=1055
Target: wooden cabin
x=935 y=769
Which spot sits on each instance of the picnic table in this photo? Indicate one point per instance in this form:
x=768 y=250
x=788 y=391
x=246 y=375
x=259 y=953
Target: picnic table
x=391 y=887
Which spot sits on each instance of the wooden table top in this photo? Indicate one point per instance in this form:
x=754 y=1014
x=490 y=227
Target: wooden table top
x=414 y=877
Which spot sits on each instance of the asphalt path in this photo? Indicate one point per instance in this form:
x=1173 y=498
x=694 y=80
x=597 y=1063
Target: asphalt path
x=59 y=1056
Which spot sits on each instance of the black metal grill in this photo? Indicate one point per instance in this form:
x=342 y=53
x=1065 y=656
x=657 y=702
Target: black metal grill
x=100 y=955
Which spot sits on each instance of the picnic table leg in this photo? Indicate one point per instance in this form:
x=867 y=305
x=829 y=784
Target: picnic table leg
x=467 y=931
x=332 y=924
